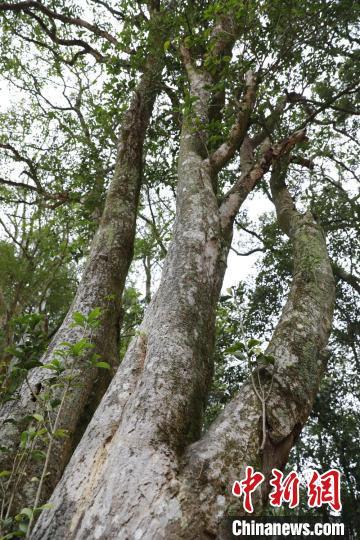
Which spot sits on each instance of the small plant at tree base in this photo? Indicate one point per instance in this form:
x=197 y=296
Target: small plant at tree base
x=43 y=427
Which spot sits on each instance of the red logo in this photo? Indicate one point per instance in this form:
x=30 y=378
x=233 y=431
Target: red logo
x=325 y=489
x=247 y=486
x=285 y=490
x=321 y=489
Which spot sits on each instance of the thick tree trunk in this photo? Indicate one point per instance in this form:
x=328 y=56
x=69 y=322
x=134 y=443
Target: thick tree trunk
x=168 y=363
x=131 y=476
x=3 y=327
x=127 y=477
x=101 y=286
x=298 y=345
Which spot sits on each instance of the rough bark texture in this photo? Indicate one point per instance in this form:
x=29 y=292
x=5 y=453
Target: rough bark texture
x=131 y=476
x=134 y=475
x=299 y=346
x=168 y=363
x=101 y=286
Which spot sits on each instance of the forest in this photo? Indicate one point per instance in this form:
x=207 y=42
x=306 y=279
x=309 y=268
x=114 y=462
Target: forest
x=179 y=279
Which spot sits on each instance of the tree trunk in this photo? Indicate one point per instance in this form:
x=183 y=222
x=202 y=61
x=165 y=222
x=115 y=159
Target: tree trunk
x=298 y=345
x=101 y=286
x=3 y=329
x=138 y=472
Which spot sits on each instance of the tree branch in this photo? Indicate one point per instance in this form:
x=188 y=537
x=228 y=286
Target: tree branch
x=226 y=151
x=57 y=56
x=270 y=122
x=246 y=253
x=298 y=344
x=21 y=185
x=32 y=173
x=251 y=175
x=329 y=104
x=52 y=34
x=74 y=21
x=119 y=15
x=349 y=278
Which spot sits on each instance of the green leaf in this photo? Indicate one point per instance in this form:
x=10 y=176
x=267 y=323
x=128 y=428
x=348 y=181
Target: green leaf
x=23 y=439
x=94 y=315
x=167 y=45
x=80 y=347
x=41 y=432
x=26 y=512
x=79 y=318
x=60 y=433
x=38 y=417
x=94 y=358
x=48 y=366
x=103 y=365
x=253 y=342
x=4 y=474
x=55 y=403
x=47 y=506
x=55 y=365
x=38 y=455
x=235 y=348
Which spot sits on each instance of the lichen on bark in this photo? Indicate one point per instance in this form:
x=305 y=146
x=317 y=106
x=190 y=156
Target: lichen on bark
x=141 y=469
x=101 y=286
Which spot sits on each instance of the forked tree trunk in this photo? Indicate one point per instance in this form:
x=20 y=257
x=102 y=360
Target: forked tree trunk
x=131 y=476
x=140 y=471
x=101 y=286
x=211 y=465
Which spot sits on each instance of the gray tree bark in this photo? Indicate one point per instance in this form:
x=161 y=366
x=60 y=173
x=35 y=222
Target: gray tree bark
x=101 y=286
x=140 y=470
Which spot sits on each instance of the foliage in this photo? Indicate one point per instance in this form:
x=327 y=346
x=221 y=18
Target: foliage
x=39 y=432
x=58 y=140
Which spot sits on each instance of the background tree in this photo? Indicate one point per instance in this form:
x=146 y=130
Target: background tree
x=100 y=290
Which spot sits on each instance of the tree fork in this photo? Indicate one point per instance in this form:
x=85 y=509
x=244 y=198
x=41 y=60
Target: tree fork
x=298 y=345
x=167 y=491
x=125 y=477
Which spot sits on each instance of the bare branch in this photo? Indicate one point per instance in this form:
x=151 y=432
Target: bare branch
x=252 y=174
x=246 y=253
x=329 y=104
x=52 y=34
x=57 y=56
x=120 y=15
x=32 y=173
x=156 y=232
x=227 y=150
x=349 y=278
x=75 y=21
x=21 y=185
x=342 y=165
x=270 y=122
x=302 y=161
